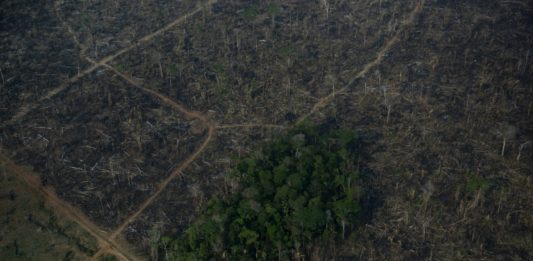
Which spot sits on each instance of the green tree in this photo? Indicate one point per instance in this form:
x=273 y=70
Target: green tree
x=301 y=188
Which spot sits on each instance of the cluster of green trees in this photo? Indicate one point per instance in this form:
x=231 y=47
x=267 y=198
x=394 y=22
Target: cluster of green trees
x=298 y=190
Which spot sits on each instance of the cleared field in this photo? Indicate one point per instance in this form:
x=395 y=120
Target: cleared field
x=31 y=230
x=104 y=27
x=36 y=54
x=172 y=93
x=102 y=145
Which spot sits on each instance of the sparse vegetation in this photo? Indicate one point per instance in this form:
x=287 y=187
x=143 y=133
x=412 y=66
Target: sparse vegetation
x=135 y=112
x=250 y=13
x=474 y=184
x=31 y=230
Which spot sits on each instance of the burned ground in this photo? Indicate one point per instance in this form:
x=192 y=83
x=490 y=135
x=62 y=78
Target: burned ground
x=259 y=62
x=101 y=145
x=36 y=55
x=182 y=200
x=105 y=27
x=53 y=237
x=440 y=92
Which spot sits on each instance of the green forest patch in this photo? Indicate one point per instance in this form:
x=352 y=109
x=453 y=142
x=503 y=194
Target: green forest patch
x=298 y=194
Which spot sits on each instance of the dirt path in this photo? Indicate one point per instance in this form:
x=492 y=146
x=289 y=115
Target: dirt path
x=324 y=101
x=68 y=28
x=30 y=107
x=211 y=127
x=97 y=64
x=167 y=101
x=107 y=241
x=176 y=172
x=161 y=187
x=62 y=207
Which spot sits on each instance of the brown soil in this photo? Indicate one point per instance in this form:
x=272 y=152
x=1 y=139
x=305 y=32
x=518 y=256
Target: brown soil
x=136 y=134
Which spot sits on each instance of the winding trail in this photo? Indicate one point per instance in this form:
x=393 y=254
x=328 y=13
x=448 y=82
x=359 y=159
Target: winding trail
x=97 y=64
x=324 y=101
x=176 y=172
x=211 y=127
x=107 y=241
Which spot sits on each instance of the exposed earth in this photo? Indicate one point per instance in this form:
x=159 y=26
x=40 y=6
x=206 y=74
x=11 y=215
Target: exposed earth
x=118 y=119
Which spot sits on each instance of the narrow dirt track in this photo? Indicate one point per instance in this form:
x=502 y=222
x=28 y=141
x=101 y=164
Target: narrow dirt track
x=28 y=108
x=58 y=204
x=68 y=28
x=107 y=243
x=176 y=172
x=97 y=64
x=165 y=100
x=324 y=101
x=161 y=187
x=62 y=207
x=211 y=127
x=211 y=132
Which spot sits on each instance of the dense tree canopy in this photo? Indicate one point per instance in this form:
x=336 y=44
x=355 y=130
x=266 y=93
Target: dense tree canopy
x=298 y=190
